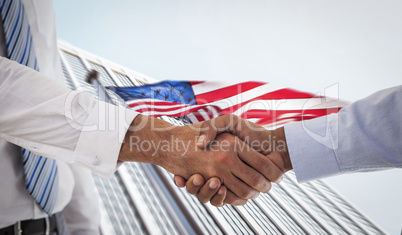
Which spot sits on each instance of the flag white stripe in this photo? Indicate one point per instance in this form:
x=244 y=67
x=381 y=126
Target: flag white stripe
x=278 y=124
x=205 y=87
x=247 y=95
x=255 y=120
x=291 y=104
x=192 y=118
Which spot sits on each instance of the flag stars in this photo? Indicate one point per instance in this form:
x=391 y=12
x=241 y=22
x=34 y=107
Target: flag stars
x=171 y=89
x=158 y=92
x=189 y=99
x=143 y=93
x=181 y=93
x=166 y=97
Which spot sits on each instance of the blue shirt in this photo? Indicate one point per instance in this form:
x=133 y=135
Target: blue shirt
x=364 y=136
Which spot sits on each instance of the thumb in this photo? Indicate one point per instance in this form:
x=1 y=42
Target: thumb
x=211 y=128
x=208 y=133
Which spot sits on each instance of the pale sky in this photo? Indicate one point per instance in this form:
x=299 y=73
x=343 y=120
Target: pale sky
x=308 y=45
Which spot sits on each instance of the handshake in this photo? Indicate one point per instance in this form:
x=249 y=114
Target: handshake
x=226 y=160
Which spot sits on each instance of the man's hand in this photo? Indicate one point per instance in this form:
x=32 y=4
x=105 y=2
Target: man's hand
x=260 y=139
x=266 y=142
x=174 y=148
x=210 y=191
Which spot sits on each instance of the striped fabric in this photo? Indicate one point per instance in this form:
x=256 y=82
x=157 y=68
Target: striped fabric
x=18 y=35
x=41 y=174
x=262 y=103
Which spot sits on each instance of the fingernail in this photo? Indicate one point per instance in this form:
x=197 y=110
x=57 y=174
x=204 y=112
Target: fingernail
x=197 y=182
x=201 y=140
x=269 y=186
x=213 y=185
x=220 y=192
x=256 y=195
x=237 y=203
x=280 y=179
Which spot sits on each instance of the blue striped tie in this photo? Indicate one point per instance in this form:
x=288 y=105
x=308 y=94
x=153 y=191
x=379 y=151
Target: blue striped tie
x=41 y=174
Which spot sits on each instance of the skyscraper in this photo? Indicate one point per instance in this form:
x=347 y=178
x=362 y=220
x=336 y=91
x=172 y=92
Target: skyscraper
x=142 y=198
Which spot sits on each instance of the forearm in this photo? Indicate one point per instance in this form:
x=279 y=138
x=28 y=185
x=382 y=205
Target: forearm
x=143 y=138
x=32 y=105
x=152 y=140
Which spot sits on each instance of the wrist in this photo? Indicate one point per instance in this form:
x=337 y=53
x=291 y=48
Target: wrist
x=280 y=145
x=142 y=140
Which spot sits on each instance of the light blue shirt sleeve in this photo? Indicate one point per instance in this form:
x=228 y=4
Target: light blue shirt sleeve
x=364 y=136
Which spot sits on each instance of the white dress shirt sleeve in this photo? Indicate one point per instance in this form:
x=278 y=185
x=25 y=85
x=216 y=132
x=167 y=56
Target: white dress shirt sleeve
x=365 y=136
x=40 y=114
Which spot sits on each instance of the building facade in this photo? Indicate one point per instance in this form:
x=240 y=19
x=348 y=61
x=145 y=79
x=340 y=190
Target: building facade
x=142 y=198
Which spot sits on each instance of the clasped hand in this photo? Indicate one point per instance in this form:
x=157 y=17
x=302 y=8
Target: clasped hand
x=239 y=158
x=267 y=154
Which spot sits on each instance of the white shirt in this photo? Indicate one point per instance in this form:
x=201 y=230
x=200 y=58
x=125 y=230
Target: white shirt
x=40 y=114
x=365 y=136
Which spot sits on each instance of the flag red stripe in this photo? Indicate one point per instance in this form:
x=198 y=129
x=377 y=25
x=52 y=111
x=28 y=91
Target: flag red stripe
x=196 y=82
x=286 y=93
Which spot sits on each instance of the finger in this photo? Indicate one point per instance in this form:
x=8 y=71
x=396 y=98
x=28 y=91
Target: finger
x=218 y=199
x=240 y=189
x=228 y=157
x=261 y=165
x=248 y=176
x=253 y=179
x=194 y=183
x=233 y=200
x=209 y=189
x=179 y=181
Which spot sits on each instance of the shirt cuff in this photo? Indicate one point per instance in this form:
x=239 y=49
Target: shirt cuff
x=101 y=138
x=311 y=148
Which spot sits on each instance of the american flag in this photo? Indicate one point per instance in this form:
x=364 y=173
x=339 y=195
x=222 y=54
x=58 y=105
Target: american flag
x=262 y=103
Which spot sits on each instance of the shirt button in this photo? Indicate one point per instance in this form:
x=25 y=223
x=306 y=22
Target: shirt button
x=96 y=161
